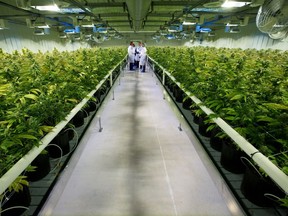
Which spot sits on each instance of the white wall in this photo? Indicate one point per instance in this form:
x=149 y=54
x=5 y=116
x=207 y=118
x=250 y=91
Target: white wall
x=20 y=36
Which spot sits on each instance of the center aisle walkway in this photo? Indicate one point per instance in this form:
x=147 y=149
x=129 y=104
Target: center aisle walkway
x=140 y=164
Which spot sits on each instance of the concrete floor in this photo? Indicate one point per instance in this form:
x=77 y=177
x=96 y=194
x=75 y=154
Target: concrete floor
x=140 y=163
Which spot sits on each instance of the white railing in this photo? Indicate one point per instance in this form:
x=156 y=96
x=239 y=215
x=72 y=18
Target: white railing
x=279 y=177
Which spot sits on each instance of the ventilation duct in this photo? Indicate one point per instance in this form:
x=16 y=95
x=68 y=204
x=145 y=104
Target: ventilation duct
x=138 y=11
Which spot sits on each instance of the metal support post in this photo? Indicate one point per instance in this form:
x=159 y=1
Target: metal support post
x=100 y=126
x=111 y=80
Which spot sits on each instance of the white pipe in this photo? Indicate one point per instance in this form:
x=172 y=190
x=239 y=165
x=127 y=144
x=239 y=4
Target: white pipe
x=279 y=177
x=7 y=179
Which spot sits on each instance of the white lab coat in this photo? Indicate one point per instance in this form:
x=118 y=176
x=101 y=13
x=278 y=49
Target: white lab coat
x=143 y=56
x=131 y=54
x=137 y=55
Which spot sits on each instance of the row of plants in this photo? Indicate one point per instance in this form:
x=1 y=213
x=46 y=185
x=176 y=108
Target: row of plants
x=38 y=90
x=246 y=88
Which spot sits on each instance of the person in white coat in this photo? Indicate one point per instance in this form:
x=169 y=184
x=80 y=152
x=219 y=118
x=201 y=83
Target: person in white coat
x=131 y=55
x=143 y=57
x=137 y=55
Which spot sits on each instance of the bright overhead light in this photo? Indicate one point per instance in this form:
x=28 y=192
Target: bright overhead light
x=231 y=4
x=232 y=24
x=42 y=26
x=47 y=8
x=188 y=23
x=88 y=25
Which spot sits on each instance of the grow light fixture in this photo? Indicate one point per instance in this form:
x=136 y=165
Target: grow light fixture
x=41 y=31
x=232 y=29
x=232 y=24
x=54 y=8
x=205 y=30
x=170 y=36
x=74 y=10
x=188 y=23
x=44 y=25
x=175 y=28
x=37 y=23
x=231 y=4
x=86 y=23
x=69 y=31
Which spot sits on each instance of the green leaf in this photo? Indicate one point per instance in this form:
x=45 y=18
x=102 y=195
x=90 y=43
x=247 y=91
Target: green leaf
x=26 y=136
x=4 y=89
x=4 y=122
x=265 y=119
x=31 y=96
x=237 y=97
x=36 y=91
x=72 y=100
x=18 y=183
x=276 y=106
x=46 y=128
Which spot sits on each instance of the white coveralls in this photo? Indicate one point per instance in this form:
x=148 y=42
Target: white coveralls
x=143 y=58
x=131 y=56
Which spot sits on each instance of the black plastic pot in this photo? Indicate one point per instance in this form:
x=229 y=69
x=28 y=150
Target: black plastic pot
x=196 y=118
x=86 y=111
x=43 y=167
x=104 y=88
x=92 y=106
x=70 y=133
x=97 y=95
x=230 y=157
x=78 y=119
x=254 y=186
x=178 y=94
x=21 y=198
x=62 y=141
x=169 y=86
x=203 y=127
x=215 y=142
x=187 y=104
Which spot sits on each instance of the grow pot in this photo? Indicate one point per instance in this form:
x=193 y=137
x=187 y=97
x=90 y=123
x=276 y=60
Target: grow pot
x=169 y=84
x=97 y=95
x=254 y=186
x=20 y=199
x=92 y=106
x=178 y=94
x=85 y=111
x=61 y=141
x=42 y=163
x=104 y=88
x=71 y=132
x=203 y=127
x=187 y=104
x=215 y=142
x=230 y=157
x=78 y=119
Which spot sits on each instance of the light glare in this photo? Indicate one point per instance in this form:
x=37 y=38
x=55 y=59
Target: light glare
x=230 y=4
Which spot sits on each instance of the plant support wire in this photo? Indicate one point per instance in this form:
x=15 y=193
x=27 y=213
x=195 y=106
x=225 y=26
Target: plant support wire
x=279 y=177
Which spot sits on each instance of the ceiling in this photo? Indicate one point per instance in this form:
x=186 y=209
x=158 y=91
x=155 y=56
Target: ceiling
x=128 y=16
